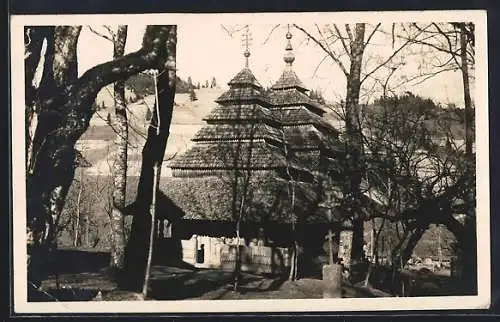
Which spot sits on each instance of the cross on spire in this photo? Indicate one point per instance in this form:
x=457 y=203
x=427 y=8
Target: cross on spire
x=289 y=56
x=247 y=41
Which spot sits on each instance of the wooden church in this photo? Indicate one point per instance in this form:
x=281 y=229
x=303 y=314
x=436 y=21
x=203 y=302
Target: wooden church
x=258 y=158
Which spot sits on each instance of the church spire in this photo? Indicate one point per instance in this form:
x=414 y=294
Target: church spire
x=289 y=79
x=247 y=39
x=289 y=56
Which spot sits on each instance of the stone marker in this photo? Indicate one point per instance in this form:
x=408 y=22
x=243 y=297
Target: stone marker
x=332 y=281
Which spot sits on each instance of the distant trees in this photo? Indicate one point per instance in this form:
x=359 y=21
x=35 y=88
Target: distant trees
x=346 y=46
x=149 y=114
x=317 y=95
x=416 y=180
x=79 y=223
x=192 y=96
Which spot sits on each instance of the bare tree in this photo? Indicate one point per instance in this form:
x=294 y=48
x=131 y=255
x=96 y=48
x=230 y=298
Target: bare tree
x=120 y=165
x=136 y=252
x=352 y=44
x=455 y=41
x=416 y=180
x=119 y=170
x=239 y=159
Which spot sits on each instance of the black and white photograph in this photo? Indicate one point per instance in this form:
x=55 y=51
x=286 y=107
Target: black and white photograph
x=271 y=162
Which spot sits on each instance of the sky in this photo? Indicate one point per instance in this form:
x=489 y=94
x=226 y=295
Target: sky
x=203 y=53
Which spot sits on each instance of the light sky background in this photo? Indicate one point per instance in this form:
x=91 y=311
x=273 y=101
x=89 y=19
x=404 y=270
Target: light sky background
x=210 y=51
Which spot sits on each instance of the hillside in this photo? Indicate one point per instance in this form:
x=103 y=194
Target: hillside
x=97 y=145
x=143 y=85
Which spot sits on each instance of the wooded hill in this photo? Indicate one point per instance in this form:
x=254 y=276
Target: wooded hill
x=142 y=85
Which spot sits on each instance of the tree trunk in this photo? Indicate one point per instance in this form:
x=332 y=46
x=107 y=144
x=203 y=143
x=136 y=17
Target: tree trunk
x=77 y=215
x=120 y=162
x=469 y=113
x=293 y=261
x=469 y=245
x=237 y=267
x=87 y=229
x=60 y=69
x=135 y=259
x=355 y=142
x=406 y=249
x=374 y=249
x=71 y=109
x=33 y=39
x=45 y=193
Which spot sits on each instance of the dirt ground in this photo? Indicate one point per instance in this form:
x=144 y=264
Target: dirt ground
x=171 y=283
x=83 y=274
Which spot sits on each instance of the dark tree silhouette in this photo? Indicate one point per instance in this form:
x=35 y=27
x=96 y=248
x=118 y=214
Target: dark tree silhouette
x=64 y=109
x=136 y=254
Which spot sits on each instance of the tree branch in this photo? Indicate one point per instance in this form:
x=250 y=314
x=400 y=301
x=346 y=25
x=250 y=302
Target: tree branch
x=270 y=33
x=111 y=32
x=349 y=32
x=101 y=34
x=326 y=50
x=372 y=33
x=448 y=40
x=388 y=59
x=339 y=35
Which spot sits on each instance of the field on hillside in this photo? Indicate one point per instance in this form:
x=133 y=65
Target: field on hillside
x=97 y=145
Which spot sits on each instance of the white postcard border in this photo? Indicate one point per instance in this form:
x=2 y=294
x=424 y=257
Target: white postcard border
x=482 y=300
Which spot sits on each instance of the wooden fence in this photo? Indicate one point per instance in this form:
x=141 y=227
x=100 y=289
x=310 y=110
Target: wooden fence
x=256 y=259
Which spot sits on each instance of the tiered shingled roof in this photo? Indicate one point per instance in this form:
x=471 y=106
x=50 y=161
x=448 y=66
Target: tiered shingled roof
x=231 y=113
x=308 y=137
x=241 y=133
x=301 y=116
x=249 y=131
x=210 y=198
x=257 y=154
x=238 y=131
x=243 y=78
x=244 y=95
x=293 y=97
x=287 y=80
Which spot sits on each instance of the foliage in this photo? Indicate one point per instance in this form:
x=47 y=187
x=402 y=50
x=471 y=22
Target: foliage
x=439 y=121
x=90 y=206
x=192 y=96
x=417 y=179
x=142 y=85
